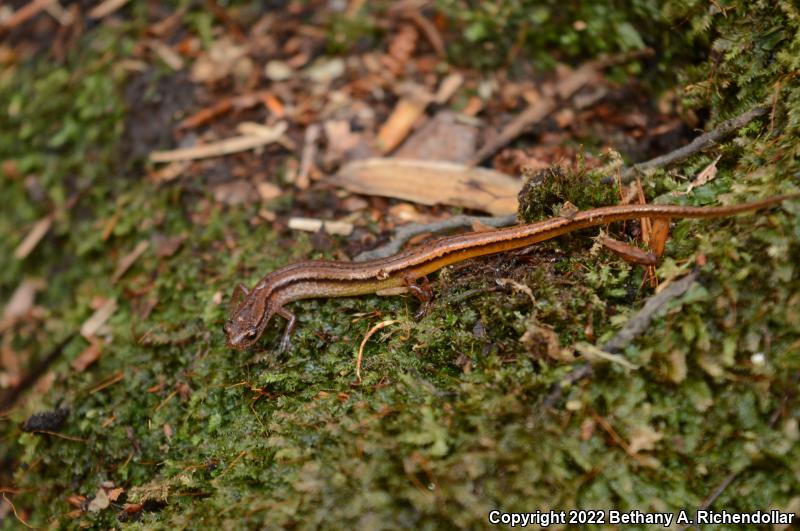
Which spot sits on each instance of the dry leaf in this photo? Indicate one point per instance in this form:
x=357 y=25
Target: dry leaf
x=644 y=438
x=33 y=237
x=90 y=327
x=268 y=190
x=105 y=8
x=432 y=182
x=166 y=246
x=100 y=501
x=236 y=192
x=441 y=138
x=89 y=355
x=707 y=174
x=324 y=71
x=223 y=58
x=22 y=300
x=129 y=259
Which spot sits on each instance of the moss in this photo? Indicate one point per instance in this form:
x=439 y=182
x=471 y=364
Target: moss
x=449 y=421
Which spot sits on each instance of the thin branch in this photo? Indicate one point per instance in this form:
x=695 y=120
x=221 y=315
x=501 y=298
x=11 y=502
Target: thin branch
x=635 y=326
x=11 y=396
x=695 y=146
x=545 y=105
x=406 y=232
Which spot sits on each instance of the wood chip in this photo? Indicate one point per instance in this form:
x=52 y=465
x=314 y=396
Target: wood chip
x=105 y=8
x=341 y=228
x=222 y=147
x=33 y=237
x=91 y=326
x=129 y=259
x=432 y=182
x=302 y=180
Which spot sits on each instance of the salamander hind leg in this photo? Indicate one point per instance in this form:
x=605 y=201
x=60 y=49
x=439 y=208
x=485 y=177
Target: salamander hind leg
x=286 y=339
x=422 y=292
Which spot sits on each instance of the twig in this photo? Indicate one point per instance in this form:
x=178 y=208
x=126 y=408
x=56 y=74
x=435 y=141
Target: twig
x=13 y=508
x=11 y=396
x=698 y=144
x=632 y=329
x=360 y=357
x=221 y=147
x=105 y=8
x=406 y=232
x=23 y=14
x=641 y=320
x=545 y=105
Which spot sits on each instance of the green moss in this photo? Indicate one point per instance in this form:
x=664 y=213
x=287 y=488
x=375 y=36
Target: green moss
x=449 y=420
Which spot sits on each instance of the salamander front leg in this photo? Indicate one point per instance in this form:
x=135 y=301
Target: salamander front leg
x=423 y=293
x=287 y=333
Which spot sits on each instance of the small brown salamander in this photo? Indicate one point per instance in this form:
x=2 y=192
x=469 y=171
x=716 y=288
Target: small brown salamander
x=251 y=310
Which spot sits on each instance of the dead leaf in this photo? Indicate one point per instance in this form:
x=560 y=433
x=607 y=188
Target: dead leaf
x=267 y=190
x=33 y=237
x=236 y=192
x=91 y=326
x=278 y=71
x=644 y=438
x=114 y=494
x=105 y=8
x=706 y=175
x=629 y=253
x=223 y=58
x=166 y=246
x=99 y=502
x=21 y=301
x=324 y=71
x=542 y=341
x=88 y=356
x=432 y=182
x=441 y=138
x=129 y=259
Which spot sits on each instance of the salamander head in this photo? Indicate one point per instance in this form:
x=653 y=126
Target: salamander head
x=249 y=315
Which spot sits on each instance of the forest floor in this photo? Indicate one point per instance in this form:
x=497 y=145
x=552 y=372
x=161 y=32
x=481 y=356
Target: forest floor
x=153 y=155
